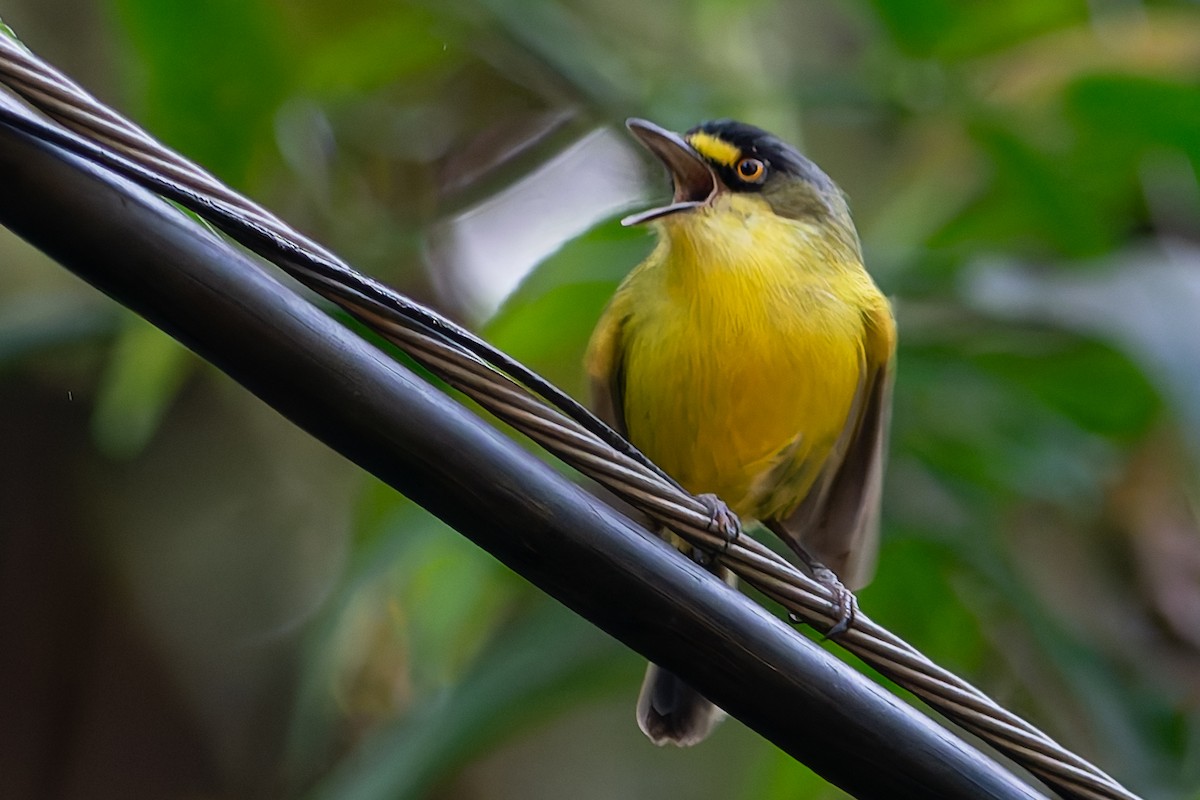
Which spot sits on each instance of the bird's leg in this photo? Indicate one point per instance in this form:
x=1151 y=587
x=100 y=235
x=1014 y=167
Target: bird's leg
x=721 y=519
x=844 y=602
x=843 y=599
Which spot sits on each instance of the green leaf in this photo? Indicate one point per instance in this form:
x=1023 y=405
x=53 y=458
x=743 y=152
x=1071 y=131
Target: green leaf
x=778 y=776
x=404 y=44
x=959 y=422
x=1141 y=301
x=5 y=30
x=952 y=30
x=1034 y=200
x=547 y=321
x=920 y=574
x=145 y=373
x=606 y=253
x=546 y=661
x=1125 y=110
x=210 y=76
x=1097 y=387
x=452 y=595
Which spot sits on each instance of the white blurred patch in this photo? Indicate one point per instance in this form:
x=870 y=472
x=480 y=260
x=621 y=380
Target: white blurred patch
x=481 y=255
x=1146 y=302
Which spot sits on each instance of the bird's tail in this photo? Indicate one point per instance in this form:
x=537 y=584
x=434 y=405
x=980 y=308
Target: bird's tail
x=670 y=711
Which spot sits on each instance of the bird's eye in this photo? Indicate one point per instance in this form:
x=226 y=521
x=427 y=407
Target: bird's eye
x=751 y=170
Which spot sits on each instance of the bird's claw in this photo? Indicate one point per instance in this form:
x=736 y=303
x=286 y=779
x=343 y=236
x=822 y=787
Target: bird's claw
x=721 y=519
x=845 y=604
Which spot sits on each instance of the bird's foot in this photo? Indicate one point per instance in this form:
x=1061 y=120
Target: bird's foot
x=845 y=604
x=721 y=519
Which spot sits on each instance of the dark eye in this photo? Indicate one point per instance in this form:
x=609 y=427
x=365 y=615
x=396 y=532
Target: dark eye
x=751 y=170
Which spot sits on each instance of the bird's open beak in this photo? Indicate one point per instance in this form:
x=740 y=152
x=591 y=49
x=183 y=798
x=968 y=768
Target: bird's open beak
x=695 y=181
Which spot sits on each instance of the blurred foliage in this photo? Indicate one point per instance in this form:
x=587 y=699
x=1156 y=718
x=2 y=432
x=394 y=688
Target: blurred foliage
x=189 y=579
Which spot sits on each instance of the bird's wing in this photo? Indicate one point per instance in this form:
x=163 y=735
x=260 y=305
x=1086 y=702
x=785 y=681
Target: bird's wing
x=837 y=523
x=605 y=364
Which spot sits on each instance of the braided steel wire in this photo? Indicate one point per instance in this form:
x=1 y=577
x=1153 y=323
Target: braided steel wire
x=527 y=402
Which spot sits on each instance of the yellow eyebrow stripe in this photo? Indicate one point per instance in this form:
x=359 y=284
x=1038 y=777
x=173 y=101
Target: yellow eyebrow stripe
x=714 y=149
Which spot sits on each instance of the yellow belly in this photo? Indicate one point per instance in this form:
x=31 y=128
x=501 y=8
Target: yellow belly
x=741 y=383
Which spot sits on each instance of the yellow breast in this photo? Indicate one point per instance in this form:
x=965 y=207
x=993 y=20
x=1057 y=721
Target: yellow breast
x=742 y=350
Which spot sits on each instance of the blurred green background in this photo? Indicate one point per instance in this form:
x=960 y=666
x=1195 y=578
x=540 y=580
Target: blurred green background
x=196 y=601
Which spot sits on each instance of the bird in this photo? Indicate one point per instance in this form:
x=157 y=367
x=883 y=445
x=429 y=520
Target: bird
x=751 y=356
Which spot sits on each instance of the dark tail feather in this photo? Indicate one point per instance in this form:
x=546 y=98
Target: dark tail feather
x=669 y=710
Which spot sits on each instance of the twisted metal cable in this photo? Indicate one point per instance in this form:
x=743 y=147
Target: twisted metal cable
x=524 y=400
x=166 y=172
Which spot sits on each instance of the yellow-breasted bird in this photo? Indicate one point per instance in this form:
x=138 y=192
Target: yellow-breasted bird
x=750 y=356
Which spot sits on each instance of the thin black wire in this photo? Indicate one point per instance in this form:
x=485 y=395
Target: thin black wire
x=502 y=386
